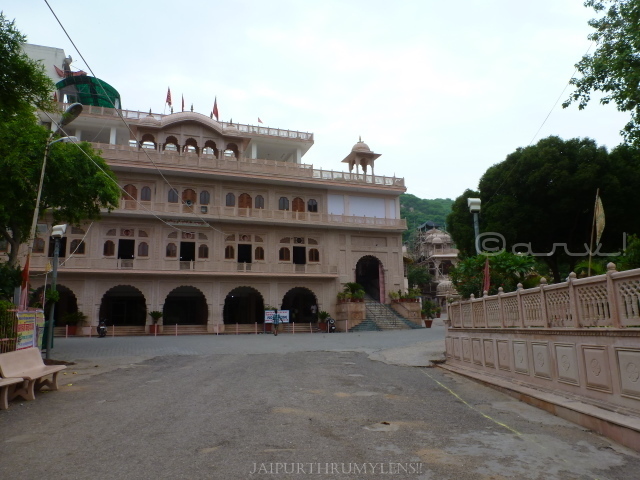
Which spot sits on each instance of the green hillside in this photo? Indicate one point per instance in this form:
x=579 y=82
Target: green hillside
x=418 y=210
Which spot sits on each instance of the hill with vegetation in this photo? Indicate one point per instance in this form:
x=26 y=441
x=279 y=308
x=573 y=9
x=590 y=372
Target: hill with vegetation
x=419 y=210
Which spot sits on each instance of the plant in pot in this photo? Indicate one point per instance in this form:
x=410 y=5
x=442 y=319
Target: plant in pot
x=155 y=316
x=322 y=320
x=358 y=296
x=72 y=320
x=354 y=290
x=428 y=312
x=395 y=296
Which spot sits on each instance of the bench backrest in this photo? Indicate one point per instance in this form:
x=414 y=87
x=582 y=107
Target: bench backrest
x=12 y=363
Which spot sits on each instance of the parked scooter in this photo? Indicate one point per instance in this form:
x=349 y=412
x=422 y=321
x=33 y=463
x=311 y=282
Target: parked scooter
x=102 y=329
x=331 y=325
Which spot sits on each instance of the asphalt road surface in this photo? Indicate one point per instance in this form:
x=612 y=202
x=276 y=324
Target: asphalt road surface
x=343 y=406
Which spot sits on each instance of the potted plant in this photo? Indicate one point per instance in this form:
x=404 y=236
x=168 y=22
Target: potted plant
x=395 y=296
x=322 y=320
x=428 y=312
x=155 y=316
x=72 y=320
x=354 y=291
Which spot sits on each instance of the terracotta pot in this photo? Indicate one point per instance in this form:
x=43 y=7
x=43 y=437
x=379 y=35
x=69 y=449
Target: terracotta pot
x=153 y=329
x=428 y=322
x=73 y=329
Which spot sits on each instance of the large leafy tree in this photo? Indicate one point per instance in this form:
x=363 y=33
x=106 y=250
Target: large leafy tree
x=544 y=194
x=614 y=67
x=23 y=81
x=77 y=184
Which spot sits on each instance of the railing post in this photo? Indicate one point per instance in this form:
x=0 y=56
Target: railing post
x=472 y=297
x=236 y=328
x=485 y=294
x=293 y=327
x=573 y=305
x=500 y=312
x=256 y=329
x=612 y=297
x=543 y=303
x=66 y=331
x=176 y=329
x=520 y=306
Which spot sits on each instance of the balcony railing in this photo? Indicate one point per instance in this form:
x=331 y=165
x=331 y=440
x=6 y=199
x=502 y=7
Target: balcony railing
x=251 y=129
x=151 y=157
x=176 y=265
x=234 y=213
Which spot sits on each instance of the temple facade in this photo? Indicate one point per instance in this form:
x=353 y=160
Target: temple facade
x=217 y=221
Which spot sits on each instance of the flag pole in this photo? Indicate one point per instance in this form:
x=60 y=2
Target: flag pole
x=593 y=228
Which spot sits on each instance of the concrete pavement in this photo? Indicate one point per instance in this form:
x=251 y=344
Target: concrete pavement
x=290 y=407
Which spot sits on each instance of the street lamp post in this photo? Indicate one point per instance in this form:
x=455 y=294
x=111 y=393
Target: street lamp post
x=57 y=233
x=474 y=207
x=70 y=114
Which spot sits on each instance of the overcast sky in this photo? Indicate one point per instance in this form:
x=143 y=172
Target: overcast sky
x=443 y=90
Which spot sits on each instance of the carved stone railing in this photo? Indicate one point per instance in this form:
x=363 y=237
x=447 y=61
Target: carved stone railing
x=610 y=300
x=213 y=267
x=210 y=213
x=150 y=158
x=251 y=129
x=580 y=338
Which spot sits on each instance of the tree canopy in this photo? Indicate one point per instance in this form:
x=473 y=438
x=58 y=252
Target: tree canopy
x=544 y=194
x=23 y=81
x=614 y=67
x=419 y=210
x=77 y=183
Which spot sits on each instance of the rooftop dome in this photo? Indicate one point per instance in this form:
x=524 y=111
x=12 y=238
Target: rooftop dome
x=230 y=129
x=445 y=288
x=360 y=147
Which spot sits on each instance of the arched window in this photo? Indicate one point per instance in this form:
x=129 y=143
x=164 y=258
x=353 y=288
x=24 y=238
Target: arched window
x=314 y=255
x=130 y=192
x=77 y=247
x=285 y=240
x=210 y=148
x=284 y=254
x=203 y=251
x=143 y=249
x=38 y=246
x=259 y=201
x=173 y=196
x=244 y=201
x=189 y=197
x=259 y=255
x=283 y=203
x=231 y=151
x=231 y=200
x=171 y=144
x=312 y=205
x=145 y=194
x=191 y=146
x=109 y=249
x=229 y=252
x=298 y=205
x=205 y=198
x=172 y=251
x=148 y=141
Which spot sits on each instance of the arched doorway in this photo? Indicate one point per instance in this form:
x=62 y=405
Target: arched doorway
x=185 y=306
x=299 y=301
x=124 y=305
x=243 y=305
x=370 y=275
x=68 y=303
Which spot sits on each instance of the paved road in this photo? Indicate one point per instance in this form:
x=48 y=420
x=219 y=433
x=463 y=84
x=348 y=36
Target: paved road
x=290 y=407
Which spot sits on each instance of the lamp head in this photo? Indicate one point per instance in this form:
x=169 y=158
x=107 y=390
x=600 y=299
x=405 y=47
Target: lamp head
x=59 y=230
x=70 y=114
x=474 y=205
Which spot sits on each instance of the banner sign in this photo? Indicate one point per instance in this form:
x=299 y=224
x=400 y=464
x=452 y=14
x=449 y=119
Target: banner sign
x=26 y=330
x=283 y=314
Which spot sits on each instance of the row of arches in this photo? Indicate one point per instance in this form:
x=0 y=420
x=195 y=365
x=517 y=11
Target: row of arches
x=244 y=200
x=125 y=305
x=190 y=145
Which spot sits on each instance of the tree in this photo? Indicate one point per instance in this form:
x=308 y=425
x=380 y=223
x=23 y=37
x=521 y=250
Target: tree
x=77 y=184
x=614 y=67
x=544 y=194
x=506 y=270
x=23 y=81
x=418 y=276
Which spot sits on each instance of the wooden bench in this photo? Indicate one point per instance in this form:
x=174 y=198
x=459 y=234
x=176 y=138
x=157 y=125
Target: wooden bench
x=5 y=383
x=27 y=366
